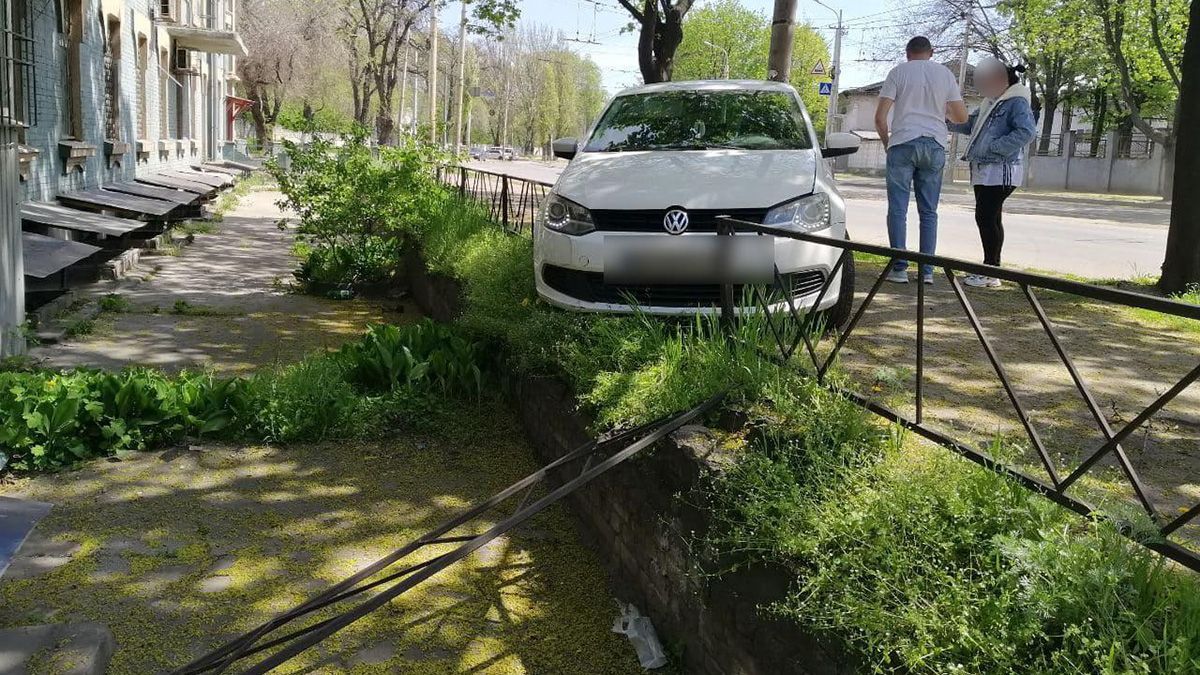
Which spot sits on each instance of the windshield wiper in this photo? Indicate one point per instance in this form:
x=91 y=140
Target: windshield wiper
x=696 y=146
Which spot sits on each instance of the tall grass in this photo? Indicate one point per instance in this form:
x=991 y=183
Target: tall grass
x=909 y=556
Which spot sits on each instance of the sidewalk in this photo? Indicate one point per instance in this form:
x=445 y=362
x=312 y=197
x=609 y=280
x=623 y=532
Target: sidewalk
x=1030 y=194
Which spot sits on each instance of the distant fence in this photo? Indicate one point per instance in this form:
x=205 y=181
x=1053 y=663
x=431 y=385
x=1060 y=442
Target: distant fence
x=1125 y=163
x=513 y=202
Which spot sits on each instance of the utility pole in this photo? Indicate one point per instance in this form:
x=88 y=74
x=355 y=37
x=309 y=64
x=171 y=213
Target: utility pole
x=779 y=57
x=952 y=158
x=433 y=72
x=403 y=91
x=508 y=66
x=462 y=77
x=835 y=71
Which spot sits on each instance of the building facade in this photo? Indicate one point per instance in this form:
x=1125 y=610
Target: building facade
x=98 y=92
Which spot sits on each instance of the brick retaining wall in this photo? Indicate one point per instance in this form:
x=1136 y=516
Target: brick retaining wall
x=640 y=517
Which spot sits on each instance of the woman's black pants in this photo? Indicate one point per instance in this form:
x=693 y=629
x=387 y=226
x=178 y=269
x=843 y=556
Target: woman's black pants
x=989 y=207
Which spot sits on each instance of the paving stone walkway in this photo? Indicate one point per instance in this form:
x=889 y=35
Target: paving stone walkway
x=221 y=303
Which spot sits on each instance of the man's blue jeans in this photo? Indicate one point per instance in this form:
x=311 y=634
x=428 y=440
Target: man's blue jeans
x=915 y=165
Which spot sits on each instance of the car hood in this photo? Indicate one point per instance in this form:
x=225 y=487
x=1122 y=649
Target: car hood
x=693 y=179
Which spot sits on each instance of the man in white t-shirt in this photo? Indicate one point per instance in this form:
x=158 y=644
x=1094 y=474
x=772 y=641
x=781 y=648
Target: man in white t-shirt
x=920 y=95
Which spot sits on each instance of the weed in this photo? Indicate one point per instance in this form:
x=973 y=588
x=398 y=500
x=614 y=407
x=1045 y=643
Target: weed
x=194 y=227
x=185 y=308
x=79 y=328
x=115 y=303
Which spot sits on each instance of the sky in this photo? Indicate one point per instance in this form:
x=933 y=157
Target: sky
x=869 y=22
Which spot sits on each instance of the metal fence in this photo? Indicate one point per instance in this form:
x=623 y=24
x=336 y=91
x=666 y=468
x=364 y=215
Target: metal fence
x=514 y=203
x=796 y=329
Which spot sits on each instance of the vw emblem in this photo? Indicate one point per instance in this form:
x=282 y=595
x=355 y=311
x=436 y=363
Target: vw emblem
x=676 y=221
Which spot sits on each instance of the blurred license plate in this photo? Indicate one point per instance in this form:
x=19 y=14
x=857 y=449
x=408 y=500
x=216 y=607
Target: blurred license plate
x=662 y=259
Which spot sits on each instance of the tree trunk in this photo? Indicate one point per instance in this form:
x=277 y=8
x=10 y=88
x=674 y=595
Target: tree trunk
x=658 y=39
x=1099 y=119
x=1049 y=107
x=1181 y=267
x=258 y=115
x=779 y=55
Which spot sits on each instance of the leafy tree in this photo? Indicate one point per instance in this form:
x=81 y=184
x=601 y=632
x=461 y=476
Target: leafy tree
x=727 y=27
x=660 y=31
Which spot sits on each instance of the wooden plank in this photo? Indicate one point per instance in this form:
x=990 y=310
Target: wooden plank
x=211 y=179
x=103 y=199
x=224 y=171
x=154 y=192
x=177 y=183
x=46 y=255
x=244 y=166
x=57 y=215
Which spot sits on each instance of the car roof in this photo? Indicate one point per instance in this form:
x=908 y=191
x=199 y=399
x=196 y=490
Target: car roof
x=710 y=85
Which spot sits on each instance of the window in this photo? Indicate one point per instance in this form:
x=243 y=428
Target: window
x=143 y=59
x=164 y=94
x=16 y=67
x=72 y=90
x=697 y=120
x=112 y=80
x=168 y=10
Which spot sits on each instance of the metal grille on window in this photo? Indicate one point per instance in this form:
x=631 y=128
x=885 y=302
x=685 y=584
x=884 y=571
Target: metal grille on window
x=112 y=124
x=18 y=106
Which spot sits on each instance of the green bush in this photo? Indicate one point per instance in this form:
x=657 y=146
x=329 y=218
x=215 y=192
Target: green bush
x=356 y=203
x=422 y=355
x=50 y=420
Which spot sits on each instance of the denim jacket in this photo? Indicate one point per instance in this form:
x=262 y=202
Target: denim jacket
x=1008 y=126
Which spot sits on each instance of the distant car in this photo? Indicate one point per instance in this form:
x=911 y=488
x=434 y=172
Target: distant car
x=508 y=153
x=494 y=152
x=478 y=154
x=635 y=213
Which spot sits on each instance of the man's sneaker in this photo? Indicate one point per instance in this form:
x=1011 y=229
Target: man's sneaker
x=980 y=281
x=927 y=278
x=898 y=276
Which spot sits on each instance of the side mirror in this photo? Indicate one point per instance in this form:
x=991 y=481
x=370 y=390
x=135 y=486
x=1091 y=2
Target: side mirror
x=564 y=147
x=840 y=143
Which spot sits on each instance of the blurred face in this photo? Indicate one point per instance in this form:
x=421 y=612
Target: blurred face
x=993 y=82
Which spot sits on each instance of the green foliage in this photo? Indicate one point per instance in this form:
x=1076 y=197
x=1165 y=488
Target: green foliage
x=325 y=120
x=356 y=203
x=425 y=354
x=50 y=420
x=745 y=34
x=115 y=302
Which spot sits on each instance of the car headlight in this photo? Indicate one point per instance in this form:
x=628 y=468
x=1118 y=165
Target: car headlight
x=564 y=215
x=807 y=214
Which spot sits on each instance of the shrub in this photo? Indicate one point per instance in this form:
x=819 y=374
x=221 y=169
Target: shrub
x=419 y=356
x=355 y=202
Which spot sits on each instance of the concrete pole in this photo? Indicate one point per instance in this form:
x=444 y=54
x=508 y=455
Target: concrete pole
x=831 y=115
x=462 y=79
x=403 y=91
x=779 y=57
x=433 y=72
x=952 y=157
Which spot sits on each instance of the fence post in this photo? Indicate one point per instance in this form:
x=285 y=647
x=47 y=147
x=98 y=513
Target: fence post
x=504 y=200
x=462 y=182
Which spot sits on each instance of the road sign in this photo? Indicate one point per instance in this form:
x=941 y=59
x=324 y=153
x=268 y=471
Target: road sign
x=819 y=69
x=825 y=88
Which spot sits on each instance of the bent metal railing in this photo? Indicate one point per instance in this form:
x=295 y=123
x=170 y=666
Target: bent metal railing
x=512 y=202
x=1057 y=487
x=381 y=582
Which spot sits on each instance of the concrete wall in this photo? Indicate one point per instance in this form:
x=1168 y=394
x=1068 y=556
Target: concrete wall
x=46 y=177
x=12 y=279
x=1110 y=173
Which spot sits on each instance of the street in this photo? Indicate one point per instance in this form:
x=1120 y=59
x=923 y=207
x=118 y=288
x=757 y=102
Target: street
x=1063 y=234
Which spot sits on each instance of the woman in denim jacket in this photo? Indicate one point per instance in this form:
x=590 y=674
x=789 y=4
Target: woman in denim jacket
x=999 y=131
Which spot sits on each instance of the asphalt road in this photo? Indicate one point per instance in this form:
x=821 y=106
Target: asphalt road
x=1087 y=237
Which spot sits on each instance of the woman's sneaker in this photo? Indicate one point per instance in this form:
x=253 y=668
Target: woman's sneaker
x=897 y=276
x=980 y=281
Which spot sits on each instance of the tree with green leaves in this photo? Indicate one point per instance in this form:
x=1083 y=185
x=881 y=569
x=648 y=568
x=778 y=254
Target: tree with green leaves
x=725 y=38
x=1181 y=267
x=659 y=24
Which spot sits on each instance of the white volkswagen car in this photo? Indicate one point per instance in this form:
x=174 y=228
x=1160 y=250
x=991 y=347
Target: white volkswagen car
x=633 y=218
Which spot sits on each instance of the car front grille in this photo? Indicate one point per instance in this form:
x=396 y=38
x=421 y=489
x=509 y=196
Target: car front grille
x=590 y=287
x=651 y=220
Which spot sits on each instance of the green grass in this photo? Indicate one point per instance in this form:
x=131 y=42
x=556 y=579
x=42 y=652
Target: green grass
x=115 y=303
x=910 y=557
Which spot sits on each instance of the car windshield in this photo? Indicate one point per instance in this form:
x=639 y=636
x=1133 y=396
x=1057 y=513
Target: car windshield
x=702 y=120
